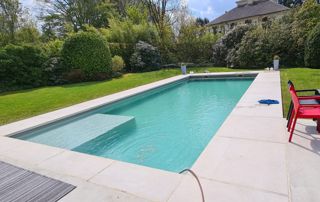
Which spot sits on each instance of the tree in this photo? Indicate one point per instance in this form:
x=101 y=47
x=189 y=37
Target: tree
x=195 y=44
x=124 y=33
x=9 y=17
x=27 y=34
x=202 y=22
x=122 y=5
x=291 y=3
x=82 y=12
x=53 y=27
x=161 y=13
x=304 y=19
x=312 y=50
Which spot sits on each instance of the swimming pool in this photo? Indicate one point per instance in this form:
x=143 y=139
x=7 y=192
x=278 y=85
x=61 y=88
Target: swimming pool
x=165 y=128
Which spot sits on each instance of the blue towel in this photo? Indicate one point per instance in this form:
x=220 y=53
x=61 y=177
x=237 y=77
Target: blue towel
x=269 y=102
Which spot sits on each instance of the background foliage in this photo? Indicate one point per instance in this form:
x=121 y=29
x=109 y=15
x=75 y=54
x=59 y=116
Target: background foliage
x=76 y=44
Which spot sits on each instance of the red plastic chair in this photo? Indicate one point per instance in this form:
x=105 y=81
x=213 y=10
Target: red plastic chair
x=302 y=111
x=316 y=92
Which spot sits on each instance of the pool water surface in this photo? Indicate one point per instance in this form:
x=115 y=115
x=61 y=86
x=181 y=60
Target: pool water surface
x=166 y=128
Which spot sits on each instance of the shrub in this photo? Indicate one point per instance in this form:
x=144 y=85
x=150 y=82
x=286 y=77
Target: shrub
x=123 y=50
x=254 y=50
x=54 y=71
x=145 y=58
x=259 y=45
x=117 y=64
x=312 y=49
x=21 y=67
x=89 y=53
x=53 y=48
x=224 y=52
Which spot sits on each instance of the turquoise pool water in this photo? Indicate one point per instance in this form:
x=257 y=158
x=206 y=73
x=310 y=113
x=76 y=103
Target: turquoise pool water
x=165 y=128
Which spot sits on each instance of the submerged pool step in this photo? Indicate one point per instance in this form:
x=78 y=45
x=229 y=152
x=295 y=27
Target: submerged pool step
x=83 y=130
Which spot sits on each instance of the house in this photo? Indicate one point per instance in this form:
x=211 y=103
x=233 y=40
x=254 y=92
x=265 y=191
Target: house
x=248 y=12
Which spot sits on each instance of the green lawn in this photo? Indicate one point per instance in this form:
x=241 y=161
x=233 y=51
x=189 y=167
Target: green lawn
x=303 y=78
x=23 y=104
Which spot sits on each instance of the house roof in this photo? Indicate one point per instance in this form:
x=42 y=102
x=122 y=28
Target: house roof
x=250 y=10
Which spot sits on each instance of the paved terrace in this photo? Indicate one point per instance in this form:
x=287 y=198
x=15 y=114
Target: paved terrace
x=248 y=159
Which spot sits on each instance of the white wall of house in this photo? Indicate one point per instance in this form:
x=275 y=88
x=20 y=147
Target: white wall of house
x=255 y=20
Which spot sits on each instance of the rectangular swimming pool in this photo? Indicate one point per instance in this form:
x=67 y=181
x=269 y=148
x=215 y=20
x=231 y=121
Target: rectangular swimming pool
x=165 y=128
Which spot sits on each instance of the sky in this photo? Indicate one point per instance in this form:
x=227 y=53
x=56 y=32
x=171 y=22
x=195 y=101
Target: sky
x=210 y=9
x=199 y=8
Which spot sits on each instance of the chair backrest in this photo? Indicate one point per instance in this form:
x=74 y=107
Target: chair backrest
x=295 y=99
x=290 y=84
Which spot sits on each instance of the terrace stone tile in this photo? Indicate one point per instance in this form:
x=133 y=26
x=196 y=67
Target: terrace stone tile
x=256 y=164
x=189 y=191
x=93 y=193
x=253 y=98
x=255 y=128
x=258 y=110
x=304 y=162
x=76 y=164
x=152 y=184
x=24 y=151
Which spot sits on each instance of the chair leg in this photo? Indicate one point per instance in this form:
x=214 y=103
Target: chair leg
x=289 y=113
x=293 y=127
x=290 y=120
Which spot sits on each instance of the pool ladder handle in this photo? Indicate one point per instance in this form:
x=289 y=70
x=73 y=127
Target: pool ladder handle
x=195 y=176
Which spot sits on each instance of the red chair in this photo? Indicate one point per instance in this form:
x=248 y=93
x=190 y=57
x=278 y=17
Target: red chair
x=302 y=111
x=316 y=92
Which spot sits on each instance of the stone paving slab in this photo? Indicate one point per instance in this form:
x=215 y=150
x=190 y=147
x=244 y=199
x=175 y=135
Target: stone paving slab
x=149 y=183
x=255 y=128
x=304 y=162
x=76 y=164
x=222 y=192
x=26 y=151
x=256 y=164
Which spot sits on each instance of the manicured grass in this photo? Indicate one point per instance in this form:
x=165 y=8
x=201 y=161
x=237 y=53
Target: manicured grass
x=23 y=104
x=303 y=78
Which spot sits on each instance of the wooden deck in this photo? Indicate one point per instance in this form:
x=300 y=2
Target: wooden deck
x=17 y=184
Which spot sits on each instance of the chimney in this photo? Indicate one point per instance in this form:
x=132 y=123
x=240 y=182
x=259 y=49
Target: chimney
x=241 y=3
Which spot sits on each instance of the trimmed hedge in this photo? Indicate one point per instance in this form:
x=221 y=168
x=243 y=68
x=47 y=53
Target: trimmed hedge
x=312 y=48
x=88 y=53
x=21 y=67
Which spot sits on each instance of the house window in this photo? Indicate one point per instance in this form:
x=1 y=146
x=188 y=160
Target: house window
x=233 y=25
x=266 y=23
x=248 y=22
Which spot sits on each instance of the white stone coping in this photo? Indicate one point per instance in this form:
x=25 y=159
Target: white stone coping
x=235 y=155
